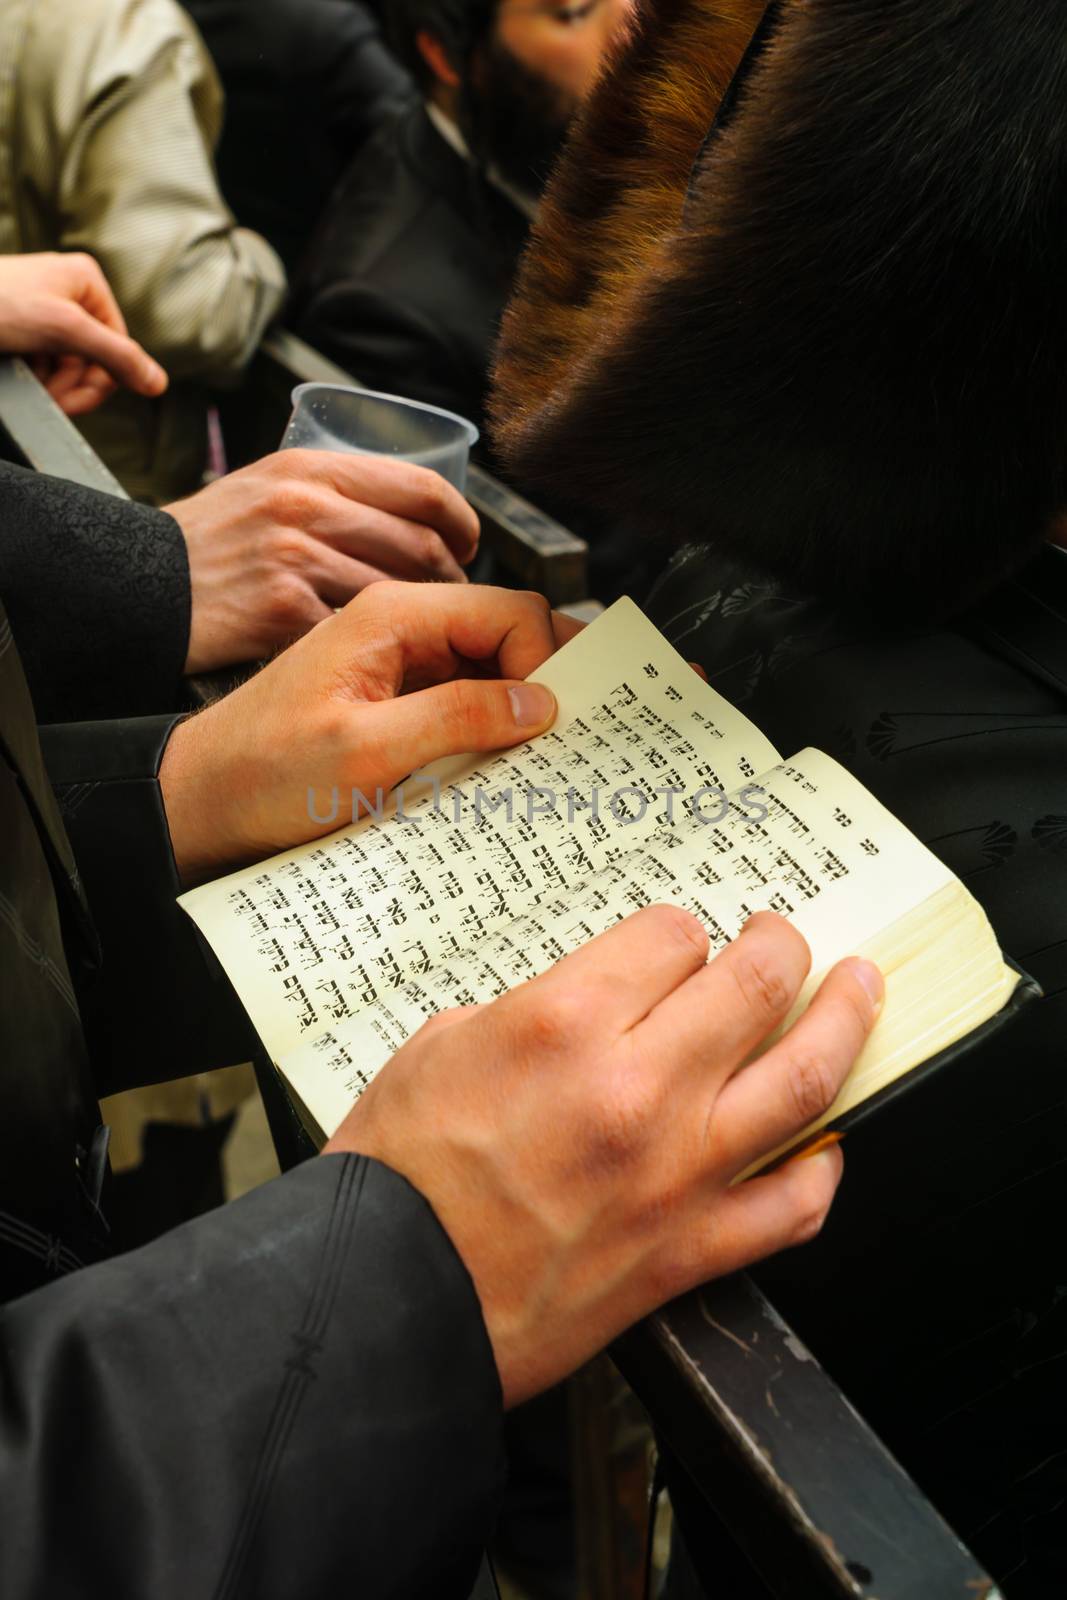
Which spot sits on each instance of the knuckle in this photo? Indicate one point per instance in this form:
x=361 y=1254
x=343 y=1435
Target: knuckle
x=287 y=549
x=471 y=710
x=811 y=1187
x=287 y=604
x=333 y=725
x=428 y=550
x=386 y=595
x=812 y=1218
x=619 y=1131
x=286 y=464
x=534 y=602
x=812 y=1086
x=672 y=922
x=61 y=318
x=763 y=987
x=290 y=503
x=430 y=494
x=94 y=272
x=473 y=529
x=552 y=1025
x=443 y=1019
x=459 y=708
x=858 y=1012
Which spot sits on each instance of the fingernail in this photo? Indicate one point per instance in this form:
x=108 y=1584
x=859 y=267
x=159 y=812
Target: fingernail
x=531 y=704
x=867 y=974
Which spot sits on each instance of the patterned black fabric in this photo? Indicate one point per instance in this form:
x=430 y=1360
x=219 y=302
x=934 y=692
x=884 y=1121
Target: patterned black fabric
x=937 y=1294
x=97 y=591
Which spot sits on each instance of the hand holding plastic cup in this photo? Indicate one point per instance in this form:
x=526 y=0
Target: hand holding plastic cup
x=329 y=416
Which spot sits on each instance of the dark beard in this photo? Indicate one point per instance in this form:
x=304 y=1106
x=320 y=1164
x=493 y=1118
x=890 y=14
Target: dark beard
x=518 y=122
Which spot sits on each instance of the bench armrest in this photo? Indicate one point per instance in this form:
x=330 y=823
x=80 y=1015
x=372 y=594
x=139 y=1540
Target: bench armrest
x=770 y=1445
x=35 y=433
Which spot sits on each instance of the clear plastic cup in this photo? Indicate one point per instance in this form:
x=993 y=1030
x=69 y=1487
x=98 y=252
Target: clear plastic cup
x=329 y=416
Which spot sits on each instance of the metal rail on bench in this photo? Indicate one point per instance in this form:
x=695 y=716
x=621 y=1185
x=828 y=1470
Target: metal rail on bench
x=35 y=433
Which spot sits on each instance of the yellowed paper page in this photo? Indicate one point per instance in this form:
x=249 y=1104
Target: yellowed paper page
x=824 y=854
x=318 y=935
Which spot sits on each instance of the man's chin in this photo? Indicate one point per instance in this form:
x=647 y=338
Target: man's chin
x=523 y=122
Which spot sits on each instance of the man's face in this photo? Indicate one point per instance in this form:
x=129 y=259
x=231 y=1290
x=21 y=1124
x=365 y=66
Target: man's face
x=540 y=62
x=561 y=41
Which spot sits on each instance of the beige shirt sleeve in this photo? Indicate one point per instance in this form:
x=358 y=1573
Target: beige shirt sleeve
x=121 y=109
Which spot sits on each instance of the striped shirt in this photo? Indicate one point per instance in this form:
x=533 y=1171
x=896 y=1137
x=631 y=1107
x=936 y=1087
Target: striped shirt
x=109 y=115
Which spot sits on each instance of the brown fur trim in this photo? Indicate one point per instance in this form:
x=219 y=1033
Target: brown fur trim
x=847 y=360
x=618 y=195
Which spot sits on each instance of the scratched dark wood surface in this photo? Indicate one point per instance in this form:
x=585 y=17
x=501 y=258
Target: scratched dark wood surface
x=811 y=1497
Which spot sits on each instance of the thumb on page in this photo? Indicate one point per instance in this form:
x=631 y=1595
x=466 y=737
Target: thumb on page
x=473 y=714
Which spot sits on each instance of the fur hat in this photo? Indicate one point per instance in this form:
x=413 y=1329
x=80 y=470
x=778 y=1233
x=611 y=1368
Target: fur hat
x=831 y=333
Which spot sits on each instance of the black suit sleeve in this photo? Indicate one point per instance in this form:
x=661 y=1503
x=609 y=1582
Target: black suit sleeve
x=389 y=346
x=293 y=1396
x=97 y=592
x=360 y=77
x=158 y=1004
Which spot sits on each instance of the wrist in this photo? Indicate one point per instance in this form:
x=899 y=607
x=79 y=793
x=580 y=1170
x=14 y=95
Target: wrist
x=198 y=658
x=200 y=838
x=213 y=777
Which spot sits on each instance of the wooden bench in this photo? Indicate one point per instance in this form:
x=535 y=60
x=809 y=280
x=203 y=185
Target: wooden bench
x=805 y=1492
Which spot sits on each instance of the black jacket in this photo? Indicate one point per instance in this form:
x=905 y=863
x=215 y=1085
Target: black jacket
x=936 y=1295
x=252 y=1405
x=406 y=280
x=306 y=82
x=97 y=592
x=405 y=286
x=840 y=309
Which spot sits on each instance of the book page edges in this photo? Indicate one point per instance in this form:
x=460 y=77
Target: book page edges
x=939 y=989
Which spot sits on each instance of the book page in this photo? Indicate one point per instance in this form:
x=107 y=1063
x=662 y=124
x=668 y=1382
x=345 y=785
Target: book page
x=816 y=847
x=321 y=934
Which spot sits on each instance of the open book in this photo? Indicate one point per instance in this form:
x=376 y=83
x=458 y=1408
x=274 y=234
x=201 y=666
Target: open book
x=649 y=788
